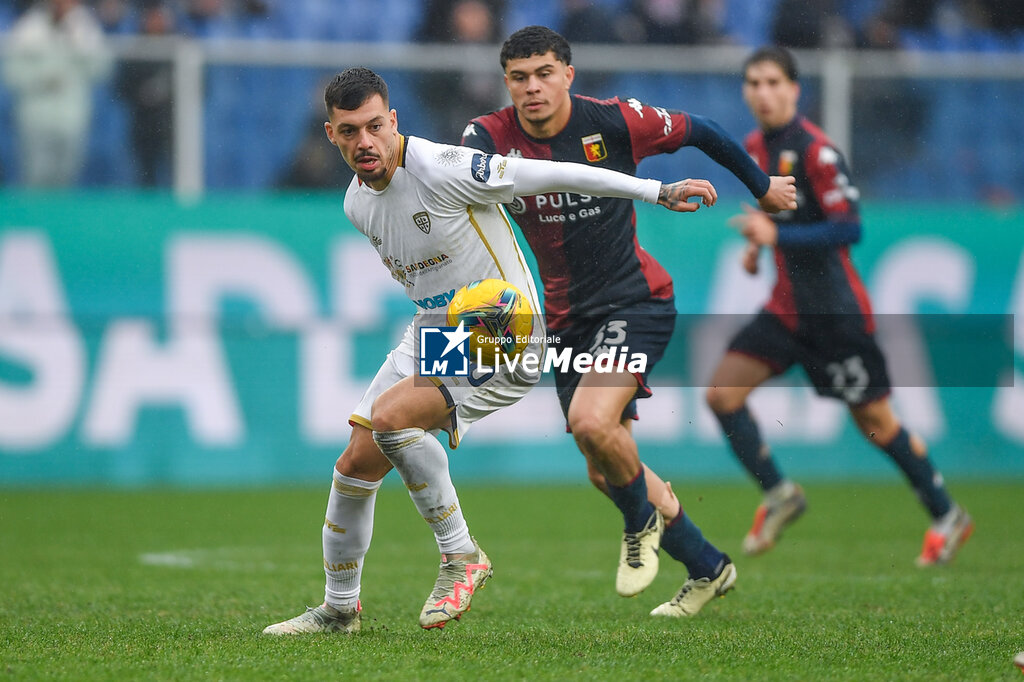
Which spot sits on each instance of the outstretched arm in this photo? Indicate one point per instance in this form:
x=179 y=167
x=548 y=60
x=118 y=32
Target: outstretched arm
x=774 y=193
x=537 y=176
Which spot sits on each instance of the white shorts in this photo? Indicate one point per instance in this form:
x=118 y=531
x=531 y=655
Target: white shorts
x=471 y=403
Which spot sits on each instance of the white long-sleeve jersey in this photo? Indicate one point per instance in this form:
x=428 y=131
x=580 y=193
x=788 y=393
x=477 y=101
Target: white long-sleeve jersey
x=438 y=225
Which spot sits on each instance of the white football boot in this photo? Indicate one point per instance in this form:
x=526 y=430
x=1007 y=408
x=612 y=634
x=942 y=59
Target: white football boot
x=694 y=594
x=323 y=618
x=638 y=557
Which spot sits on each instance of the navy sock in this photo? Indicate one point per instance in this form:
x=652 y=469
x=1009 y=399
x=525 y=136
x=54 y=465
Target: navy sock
x=684 y=542
x=631 y=499
x=926 y=481
x=745 y=439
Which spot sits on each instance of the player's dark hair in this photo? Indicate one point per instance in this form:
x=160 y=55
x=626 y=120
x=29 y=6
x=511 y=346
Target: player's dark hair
x=532 y=40
x=777 y=55
x=350 y=88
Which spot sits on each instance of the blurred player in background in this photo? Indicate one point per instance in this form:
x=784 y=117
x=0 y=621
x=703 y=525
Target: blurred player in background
x=818 y=316
x=422 y=202
x=603 y=290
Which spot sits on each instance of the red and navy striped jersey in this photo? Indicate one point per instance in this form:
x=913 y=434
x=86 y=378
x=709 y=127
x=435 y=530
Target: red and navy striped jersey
x=814 y=272
x=586 y=247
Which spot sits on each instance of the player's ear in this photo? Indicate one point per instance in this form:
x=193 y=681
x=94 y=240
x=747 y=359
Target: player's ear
x=570 y=73
x=393 y=114
x=329 y=130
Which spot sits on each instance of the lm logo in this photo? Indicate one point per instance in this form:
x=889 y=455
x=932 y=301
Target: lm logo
x=444 y=351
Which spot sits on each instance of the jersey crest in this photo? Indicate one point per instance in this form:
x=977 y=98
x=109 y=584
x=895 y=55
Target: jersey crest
x=787 y=161
x=593 y=147
x=422 y=220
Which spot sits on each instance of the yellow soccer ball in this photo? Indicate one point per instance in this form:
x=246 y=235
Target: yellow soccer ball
x=497 y=314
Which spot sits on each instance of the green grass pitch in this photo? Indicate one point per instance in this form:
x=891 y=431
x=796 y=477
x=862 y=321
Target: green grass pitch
x=176 y=585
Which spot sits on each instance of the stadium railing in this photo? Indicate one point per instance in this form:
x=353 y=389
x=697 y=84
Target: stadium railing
x=837 y=75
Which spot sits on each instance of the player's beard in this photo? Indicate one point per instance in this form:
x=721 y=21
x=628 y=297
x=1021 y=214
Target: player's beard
x=370 y=176
x=539 y=117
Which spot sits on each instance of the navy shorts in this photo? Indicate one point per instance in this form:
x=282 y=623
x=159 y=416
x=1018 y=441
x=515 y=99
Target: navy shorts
x=841 y=358
x=644 y=327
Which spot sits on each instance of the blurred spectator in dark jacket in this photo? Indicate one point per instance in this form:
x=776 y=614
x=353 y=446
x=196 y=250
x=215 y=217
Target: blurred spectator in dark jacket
x=452 y=98
x=674 y=22
x=147 y=87
x=809 y=24
x=316 y=164
x=442 y=25
x=583 y=21
x=1004 y=16
x=206 y=18
x=883 y=29
x=114 y=15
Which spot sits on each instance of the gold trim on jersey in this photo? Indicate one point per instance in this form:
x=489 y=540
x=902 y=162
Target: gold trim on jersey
x=402 y=147
x=519 y=256
x=362 y=421
x=453 y=432
x=480 y=233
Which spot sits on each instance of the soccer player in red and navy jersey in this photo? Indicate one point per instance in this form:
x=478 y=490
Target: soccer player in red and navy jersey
x=818 y=316
x=604 y=292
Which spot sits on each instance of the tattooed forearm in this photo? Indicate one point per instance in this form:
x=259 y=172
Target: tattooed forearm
x=674 y=195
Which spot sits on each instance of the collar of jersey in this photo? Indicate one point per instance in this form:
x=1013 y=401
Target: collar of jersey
x=775 y=133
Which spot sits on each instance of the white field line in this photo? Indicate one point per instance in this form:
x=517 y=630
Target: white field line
x=222 y=558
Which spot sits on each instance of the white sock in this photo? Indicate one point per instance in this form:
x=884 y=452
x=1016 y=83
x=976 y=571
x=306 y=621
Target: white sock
x=423 y=465
x=348 y=528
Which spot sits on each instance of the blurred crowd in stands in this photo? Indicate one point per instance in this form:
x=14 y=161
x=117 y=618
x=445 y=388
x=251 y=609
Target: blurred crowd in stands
x=57 y=58
x=956 y=24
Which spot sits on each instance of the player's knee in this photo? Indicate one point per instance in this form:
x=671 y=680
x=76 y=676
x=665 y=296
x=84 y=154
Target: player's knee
x=590 y=430
x=385 y=416
x=723 y=399
x=362 y=459
x=353 y=467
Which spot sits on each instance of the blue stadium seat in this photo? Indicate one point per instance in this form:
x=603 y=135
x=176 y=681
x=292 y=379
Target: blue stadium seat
x=999 y=162
x=8 y=152
x=858 y=12
x=913 y=39
x=110 y=159
x=368 y=20
x=529 y=12
x=749 y=21
x=6 y=16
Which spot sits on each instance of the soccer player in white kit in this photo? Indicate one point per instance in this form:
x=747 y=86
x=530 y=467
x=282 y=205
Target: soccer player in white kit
x=432 y=212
